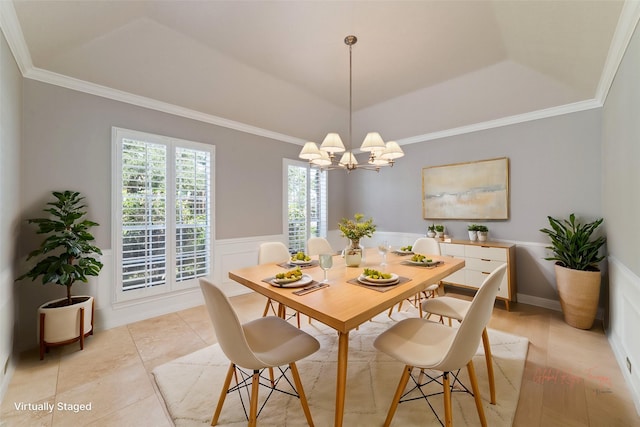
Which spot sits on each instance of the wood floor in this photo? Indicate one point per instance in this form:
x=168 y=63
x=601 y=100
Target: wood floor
x=571 y=377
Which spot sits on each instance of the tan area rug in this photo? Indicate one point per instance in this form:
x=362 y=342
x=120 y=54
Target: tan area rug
x=190 y=385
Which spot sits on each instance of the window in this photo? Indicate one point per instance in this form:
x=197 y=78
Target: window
x=305 y=203
x=163 y=213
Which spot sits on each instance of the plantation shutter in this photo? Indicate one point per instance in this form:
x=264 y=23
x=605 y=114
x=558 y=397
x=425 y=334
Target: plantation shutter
x=306 y=205
x=144 y=220
x=192 y=198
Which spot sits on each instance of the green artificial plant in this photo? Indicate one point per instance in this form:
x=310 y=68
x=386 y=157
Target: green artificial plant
x=356 y=228
x=68 y=244
x=572 y=243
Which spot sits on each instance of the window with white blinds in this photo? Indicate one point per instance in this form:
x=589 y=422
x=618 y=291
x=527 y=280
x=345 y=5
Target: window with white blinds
x=305 y=203
x=163 y=232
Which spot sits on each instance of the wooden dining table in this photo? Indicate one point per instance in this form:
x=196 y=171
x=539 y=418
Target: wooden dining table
x=342 y=305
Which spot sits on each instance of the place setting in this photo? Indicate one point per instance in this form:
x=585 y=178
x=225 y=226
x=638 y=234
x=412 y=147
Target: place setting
x=404 y=250
x=419 y=260
x=378 y=280
x=301 y=260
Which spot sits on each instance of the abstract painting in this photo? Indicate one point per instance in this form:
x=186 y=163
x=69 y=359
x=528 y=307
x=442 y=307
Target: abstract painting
x=474 y=190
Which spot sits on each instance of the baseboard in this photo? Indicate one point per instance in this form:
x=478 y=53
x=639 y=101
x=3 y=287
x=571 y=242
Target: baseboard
x=539 y=302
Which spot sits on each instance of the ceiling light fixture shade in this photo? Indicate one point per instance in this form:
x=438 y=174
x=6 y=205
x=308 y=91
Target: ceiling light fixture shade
x=332 y=143
x=323 y=161
x=381 y=154
x=392 y=151
x=349 y=161
x=372 y=142
x=310 y=151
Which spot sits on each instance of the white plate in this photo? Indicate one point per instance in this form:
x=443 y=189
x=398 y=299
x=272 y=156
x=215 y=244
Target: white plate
x=289 y=283
x=401 y=252
x=424 y=264
x=300 y=262
x=379 y=282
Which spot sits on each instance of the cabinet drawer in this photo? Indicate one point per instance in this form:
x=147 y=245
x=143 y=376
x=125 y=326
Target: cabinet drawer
x=476 y=278
x=457 y=277
x=482 y=265
x=452 y=249
x=494 y=254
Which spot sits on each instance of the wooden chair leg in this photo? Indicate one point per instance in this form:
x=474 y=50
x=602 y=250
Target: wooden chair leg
x=298 y=318
x=396 y=398
x=223 y=394
x=253 y=406
x=303 y=397
x=272 y=378
x=446 y=387
x=266 y=307
x=476 y=393
x=489 y=359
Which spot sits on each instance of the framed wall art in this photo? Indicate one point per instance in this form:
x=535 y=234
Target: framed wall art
x=473 y=191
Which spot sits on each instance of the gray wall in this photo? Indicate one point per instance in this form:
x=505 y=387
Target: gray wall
x=621 y=160
x=554 y=170
x=621 y=207
x=10 y=124
x=67 y=144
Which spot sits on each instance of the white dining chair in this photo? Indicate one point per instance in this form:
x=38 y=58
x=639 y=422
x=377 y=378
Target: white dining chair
x=267 y=342
x=424 y=246
x=278 y=253
x=421 y=343
x=457 y=309
x=318 y=245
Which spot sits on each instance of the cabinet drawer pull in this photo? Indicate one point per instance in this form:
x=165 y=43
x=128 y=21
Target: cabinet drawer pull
x=484 y=259
x=485 y=272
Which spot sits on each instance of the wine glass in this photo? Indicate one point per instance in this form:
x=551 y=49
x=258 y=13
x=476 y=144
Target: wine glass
x=326 y=262
x=383 y=248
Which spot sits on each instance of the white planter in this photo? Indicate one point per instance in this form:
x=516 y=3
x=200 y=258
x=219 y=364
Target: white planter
x=482 y=236
x=64 y=325
x=473 y=235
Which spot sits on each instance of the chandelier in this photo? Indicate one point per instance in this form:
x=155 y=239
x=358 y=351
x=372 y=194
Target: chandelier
x=380 y=154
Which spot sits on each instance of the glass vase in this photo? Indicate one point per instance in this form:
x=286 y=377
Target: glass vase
x=353 y=253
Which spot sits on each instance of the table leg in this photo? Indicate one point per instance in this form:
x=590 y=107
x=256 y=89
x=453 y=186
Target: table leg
x=341 y=383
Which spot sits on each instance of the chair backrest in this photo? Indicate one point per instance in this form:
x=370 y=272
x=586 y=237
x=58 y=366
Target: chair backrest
x=467 y=339
x=271 y=252
x=228 y=328
x=318 y=245
x=426 y=246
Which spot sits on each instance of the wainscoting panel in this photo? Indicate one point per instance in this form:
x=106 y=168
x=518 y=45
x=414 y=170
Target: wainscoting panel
x=624 y=294
x=231 y=254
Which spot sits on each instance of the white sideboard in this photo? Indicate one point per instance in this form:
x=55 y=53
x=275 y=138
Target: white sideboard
x=481 y=258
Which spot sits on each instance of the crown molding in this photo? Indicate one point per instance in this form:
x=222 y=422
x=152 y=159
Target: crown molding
x=56 y=79
x=505 y=121
x=627 y=23
x=629 y=17
x=13 y=34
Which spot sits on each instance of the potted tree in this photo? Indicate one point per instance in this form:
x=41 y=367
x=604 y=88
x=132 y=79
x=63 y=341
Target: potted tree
x=577 y=254
x=65 y=256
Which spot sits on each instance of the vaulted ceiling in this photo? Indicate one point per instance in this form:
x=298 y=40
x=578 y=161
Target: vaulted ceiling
x=420 y=68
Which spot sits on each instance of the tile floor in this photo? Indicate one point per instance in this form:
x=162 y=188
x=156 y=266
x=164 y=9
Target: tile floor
x=571 y=377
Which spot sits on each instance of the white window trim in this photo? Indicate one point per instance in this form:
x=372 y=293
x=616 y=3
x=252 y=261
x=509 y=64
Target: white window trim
x=118 y=295
x=285 y=195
